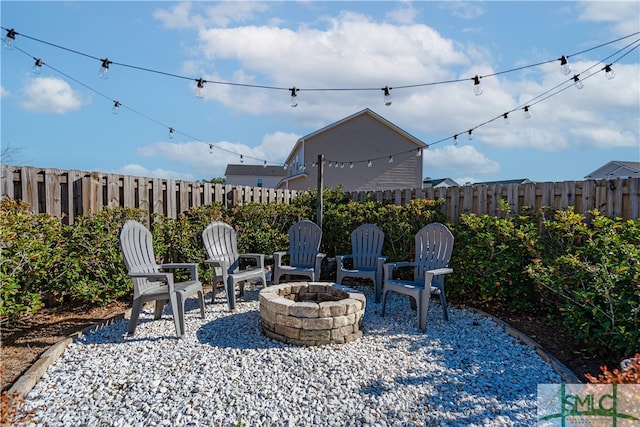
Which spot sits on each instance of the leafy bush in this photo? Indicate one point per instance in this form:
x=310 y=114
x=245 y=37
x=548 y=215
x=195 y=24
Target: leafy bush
x=32 y=255
x=94 y=268
x=591 y=274
x=490 y=258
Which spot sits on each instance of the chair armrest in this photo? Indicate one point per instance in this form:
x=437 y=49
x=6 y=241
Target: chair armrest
x=318 y=267
x=259 y=258
x=277 y=257
x=191 y=266
x=160 y=277
x=341 y=258
x=440 y=271
x=389 y=267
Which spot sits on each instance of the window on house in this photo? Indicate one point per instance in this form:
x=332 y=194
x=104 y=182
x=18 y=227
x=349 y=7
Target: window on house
x=259 y=182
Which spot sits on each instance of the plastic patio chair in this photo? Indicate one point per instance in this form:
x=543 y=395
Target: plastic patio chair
x=366 y=250
x=150 y=283
x=221 y=244
x=433 y=247
x=305 y=258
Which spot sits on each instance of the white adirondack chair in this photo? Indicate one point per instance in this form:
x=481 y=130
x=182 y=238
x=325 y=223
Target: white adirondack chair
x=150 y=284
x=434 y=244
x=366 y=250
x=220 y=241
x=305 y=258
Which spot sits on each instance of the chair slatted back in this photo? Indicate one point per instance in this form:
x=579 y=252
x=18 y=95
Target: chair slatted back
x=434 y=245
x=220 y=241
x=136 y=243
x=366 y=246
x=304 y=243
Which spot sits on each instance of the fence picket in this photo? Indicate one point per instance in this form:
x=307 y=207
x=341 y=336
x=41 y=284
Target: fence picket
x=66 y=194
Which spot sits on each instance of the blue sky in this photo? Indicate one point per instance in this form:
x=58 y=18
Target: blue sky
x=62 y=118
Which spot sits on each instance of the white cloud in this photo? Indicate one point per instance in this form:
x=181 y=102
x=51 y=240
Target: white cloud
x=464 y=9
x=134 y=169
x=49 y=95
x=221 y=14
x=623 y=15
x=405 y=13
x=212 y=162
x=3 y=92
x=462 y=157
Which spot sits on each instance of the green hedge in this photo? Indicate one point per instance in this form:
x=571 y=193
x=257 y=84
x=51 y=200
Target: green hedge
x=585 y=273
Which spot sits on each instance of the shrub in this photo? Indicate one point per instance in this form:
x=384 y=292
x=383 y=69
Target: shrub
x=32 y=248
x=591 y=274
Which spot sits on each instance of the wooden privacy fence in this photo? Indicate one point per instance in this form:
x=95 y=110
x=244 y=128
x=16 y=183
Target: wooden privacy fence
x=67 y=194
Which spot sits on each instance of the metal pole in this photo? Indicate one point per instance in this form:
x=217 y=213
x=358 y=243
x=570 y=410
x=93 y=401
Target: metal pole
x=320 y=186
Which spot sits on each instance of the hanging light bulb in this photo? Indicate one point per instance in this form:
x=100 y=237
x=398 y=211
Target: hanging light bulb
x=37 y=67
x=116 y=107
x=419 y=152
x=294 y=96
x=564 y=66
x=330 y=164
x=342 y=165
x=351 y=165
x=241 y=158
x=264 y=165
x=527 y=114
x=104 y=69
x=470 y=134
x=390 y=159
x=477 y=89
x=506 y=118
x=10 y=40
x=171 y=130
x=210 y=148
x=455 y=139
x=369 y=163
x=577 y=82
x=199 y=88
x=387 y=95
x=314 y=164
x=284 y=166
x=608 y=71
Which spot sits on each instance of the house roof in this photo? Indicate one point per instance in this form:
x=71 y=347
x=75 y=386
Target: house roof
x=616 y=168
x=448 y=182
x=507 y=181
x=366 y=111
x=255 y=170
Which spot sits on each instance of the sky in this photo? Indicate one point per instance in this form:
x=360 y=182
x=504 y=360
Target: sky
x=251 y=53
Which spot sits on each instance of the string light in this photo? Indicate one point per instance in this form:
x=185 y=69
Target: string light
x=419 y=152
x=116 y=107
x=199 y=88
x=241 y=158
x=470 y=134
x=390 y=159
x=564 y=66
x=350 y=165
x=342 y=165
x=455 y=139
x=37 y=67
x=314 y=164
x=477 y=89
x=369 y=163
x=104 y=69
x=294 y=96
x=171 y=130
x=264 y=165
x=284 y=166
x=11 y=34
x=387 y=95
x=506 y=118
x=577 y=82
x=608 y=71
x=330 y=164
x=210 y=148
x=10 y=40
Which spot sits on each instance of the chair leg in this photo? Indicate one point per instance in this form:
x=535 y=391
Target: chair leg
x=159 y=308
x=231 y=295
x=181 y=297
x=423 y=309
x=377 y=287
x=384 y=302
x=175 y=309
x=135 y=314
x=201 y=301
x=443 y=301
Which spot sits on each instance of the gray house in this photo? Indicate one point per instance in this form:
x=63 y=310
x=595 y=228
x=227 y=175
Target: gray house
x=616 y=169
x=439 y=183
x=363 y=152
x=254 y=175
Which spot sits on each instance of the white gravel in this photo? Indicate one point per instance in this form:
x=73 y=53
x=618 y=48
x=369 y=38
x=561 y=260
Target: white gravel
x=225 y=372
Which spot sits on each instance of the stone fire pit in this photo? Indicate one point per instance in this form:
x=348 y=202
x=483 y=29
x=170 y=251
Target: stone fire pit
x=312 y=313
